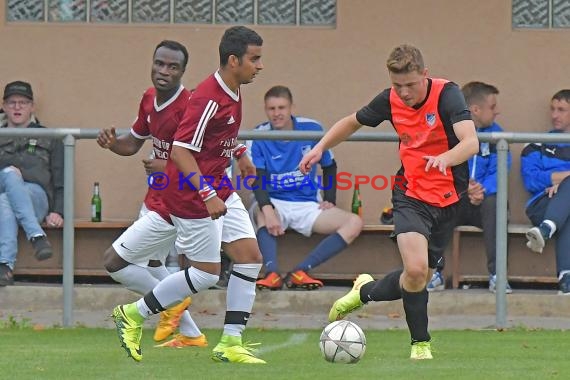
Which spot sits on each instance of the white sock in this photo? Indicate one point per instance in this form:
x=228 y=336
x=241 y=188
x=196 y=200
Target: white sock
x=160 y=273
x=188 y=327
x=143 y=308
x=135 y=278
x=241 y=294
x=552 y=226
x=174 y=288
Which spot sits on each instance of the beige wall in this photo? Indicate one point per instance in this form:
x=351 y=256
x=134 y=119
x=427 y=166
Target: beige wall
x=92 y=76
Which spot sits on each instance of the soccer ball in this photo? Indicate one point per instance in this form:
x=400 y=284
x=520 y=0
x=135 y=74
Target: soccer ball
x=342 y=342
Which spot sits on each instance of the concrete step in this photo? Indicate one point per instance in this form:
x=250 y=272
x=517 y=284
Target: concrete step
x=461 y=309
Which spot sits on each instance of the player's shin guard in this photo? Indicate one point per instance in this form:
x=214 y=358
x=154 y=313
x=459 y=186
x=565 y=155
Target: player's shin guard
x=240 y=297
x=174 y=288
x=415 y=306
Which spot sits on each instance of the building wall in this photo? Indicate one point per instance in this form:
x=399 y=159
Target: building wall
x=92 y=76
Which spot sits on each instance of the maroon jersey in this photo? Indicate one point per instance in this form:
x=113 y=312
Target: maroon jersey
x=209 y=130
x=159 y=123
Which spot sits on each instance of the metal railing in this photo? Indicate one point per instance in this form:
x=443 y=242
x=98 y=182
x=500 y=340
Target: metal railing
x=502 y=139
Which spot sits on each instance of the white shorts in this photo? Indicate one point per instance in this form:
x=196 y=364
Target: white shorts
x=201 y=239
x=299 y=216
x=148 y=238
x=172 y=252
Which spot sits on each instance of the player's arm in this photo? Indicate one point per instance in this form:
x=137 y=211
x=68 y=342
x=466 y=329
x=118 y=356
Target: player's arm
x=126 y=145
x=468 y=142
x=185 y=162
x=453 y=108
x=329 y=182
x=339 y=132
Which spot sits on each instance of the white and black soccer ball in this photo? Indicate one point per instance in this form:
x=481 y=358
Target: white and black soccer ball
x=342 y=342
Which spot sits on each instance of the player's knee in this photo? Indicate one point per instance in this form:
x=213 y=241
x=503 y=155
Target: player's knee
x=351 y=228
x=416 y=274
x=112 y=261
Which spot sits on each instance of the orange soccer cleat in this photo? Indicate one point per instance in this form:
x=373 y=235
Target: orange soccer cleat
x=169 y=320
x=300 y=279
x=272 y=282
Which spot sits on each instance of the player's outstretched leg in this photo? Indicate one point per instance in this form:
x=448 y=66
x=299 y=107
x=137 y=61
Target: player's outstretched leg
x=129 y=329
x=351 y=301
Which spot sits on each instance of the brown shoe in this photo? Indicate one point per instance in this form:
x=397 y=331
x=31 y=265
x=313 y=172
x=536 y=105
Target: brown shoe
x=6 y=275
x=42 y=247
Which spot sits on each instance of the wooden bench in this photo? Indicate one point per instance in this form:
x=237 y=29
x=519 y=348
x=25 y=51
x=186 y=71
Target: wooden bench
x=512 y=229
x=91 y=240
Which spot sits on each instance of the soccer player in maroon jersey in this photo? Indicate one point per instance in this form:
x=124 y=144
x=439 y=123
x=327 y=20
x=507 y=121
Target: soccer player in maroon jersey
x=204 y=207
x=437 y=136
x=136 y=258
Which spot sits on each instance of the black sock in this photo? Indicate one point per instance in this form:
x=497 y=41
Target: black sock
x=386 y=289
x=415 y=306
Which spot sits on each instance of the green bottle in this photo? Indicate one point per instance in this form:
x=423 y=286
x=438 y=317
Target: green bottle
x=96 y=204
x=356 y=201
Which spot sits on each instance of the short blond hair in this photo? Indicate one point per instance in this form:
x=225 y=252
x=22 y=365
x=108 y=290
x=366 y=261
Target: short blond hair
x=405 y=59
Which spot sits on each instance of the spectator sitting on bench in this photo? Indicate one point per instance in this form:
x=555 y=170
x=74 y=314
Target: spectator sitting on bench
x=545 y=170
x=479 y=207
x=31 y=182
x=287 y=198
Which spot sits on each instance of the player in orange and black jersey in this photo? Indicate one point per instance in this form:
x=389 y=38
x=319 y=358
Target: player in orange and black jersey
x=437 y=136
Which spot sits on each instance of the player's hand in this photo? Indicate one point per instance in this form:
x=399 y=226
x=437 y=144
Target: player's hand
x=107 y=138
x=216 y=207
x=273 y=224
x=247 y=169
x=154 y=165
x=53 y=219
x=475 y=192
x=309 y=159
x=325 y=205
x=438 y=162
x=551 y=190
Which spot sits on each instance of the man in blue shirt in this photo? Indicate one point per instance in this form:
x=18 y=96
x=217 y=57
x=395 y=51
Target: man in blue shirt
x=286 y=198
x=479 y=208
x=545 y=170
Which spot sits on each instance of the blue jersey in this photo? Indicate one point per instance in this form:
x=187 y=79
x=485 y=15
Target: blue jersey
x=280 y=160
x=539 y=161
x=483 y=165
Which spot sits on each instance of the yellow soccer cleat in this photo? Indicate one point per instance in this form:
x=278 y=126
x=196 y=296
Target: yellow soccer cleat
x=180 y=341
x=170 y=319
x=421 y=351
x=129 y=329
x=350 y=301
x=231 y=350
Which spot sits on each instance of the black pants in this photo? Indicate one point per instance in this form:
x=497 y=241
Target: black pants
x=556 y=209
x=483 y=216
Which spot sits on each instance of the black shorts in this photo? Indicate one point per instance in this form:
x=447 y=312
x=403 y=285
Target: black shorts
x=435 y=223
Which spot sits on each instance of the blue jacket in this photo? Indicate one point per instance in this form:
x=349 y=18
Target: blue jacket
x=483 y=165
x=539 y=161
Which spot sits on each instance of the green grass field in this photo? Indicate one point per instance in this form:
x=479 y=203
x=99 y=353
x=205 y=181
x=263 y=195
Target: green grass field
x=83 y=353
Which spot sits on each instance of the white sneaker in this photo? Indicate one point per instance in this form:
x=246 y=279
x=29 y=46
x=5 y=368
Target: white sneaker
x=493 y=285
x=535 y=240
x=437 y=283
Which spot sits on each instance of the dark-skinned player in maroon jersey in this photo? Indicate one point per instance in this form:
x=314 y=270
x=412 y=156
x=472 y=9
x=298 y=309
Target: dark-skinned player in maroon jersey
x=437 y=137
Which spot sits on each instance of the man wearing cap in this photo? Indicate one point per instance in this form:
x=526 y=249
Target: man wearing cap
x=31 y=181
